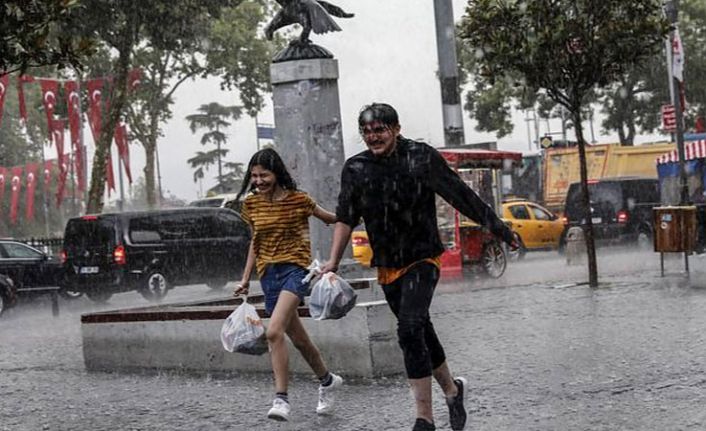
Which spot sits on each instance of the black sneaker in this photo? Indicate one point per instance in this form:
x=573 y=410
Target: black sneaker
x=423 y=425
x=457 y=413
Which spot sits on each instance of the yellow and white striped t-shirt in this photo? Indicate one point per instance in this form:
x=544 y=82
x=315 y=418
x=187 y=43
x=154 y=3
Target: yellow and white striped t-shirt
x=280 y=228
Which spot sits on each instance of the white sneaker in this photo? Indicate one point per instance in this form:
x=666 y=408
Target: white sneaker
x=327 y=396
x=280 y=410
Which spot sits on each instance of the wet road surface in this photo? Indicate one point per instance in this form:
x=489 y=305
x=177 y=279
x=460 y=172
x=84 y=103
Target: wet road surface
x=540 y=351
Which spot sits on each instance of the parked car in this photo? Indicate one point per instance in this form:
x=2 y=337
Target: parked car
x=8 y=293
x=154 y=251
x=29 y=267
x=620 y=208
x=536 y=227
x=218 y=201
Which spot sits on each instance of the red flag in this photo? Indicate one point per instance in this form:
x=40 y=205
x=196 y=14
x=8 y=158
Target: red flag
x=74 y=104
x=16 y=183
x=50 y=89
x=121 y=140
x=4 y=81
x=63 y=165
x=133 y=79
x=3 y=176
x=95 y=112
x=48 y=166
x=21 y=80
x=31 y=181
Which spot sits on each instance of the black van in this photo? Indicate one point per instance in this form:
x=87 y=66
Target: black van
x=153 y=251
x=621 y=208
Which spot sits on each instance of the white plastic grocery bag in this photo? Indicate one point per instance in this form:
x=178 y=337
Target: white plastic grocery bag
x=243 y=331
x=331 y=297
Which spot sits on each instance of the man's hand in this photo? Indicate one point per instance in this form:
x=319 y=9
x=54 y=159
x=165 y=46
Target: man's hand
x=329 y=266
x=241 y=288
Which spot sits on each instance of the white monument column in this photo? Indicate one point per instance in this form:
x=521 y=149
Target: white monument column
x=308 y=134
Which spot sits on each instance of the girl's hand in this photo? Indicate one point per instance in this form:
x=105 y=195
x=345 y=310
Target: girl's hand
x=241 y=288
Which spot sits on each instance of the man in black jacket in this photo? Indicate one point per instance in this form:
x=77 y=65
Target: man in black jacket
x=392 y=187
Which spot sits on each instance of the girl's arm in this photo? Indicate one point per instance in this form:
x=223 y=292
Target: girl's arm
x=325 y=216
x=242 y=287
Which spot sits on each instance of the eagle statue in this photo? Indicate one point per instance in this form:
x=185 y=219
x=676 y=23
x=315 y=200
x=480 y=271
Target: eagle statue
x=312 y=15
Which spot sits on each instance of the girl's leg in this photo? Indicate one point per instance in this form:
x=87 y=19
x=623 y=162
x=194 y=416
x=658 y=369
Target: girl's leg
x=280 y=320
x=300 y=338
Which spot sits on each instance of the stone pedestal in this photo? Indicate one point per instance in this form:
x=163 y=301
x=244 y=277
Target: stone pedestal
x=308 y=134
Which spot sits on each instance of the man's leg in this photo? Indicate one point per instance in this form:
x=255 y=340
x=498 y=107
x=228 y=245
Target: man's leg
x=409 y=298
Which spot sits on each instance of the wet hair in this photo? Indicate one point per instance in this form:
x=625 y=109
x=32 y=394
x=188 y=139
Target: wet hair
x=381 y=112
x=270 y=160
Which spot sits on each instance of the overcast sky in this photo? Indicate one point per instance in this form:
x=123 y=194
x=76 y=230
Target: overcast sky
x=387 y=53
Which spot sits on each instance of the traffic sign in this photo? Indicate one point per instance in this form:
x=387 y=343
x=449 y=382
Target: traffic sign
x=669 y=118
x=546 y=141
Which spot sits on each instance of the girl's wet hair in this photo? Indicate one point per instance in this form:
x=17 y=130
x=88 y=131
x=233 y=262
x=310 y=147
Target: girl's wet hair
x=381 y=112
x=270 y=160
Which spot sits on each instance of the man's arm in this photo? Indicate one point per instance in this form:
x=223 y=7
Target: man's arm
x=341 y=235
x=447 y=184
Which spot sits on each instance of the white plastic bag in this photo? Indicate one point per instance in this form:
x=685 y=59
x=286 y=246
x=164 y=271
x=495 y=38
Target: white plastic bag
x=243 y=331
x=331 y=297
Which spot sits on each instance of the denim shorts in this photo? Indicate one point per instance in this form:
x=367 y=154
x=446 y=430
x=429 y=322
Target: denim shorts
x=279 y=277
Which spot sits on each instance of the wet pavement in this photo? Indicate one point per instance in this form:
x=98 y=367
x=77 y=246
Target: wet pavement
x=541 y=350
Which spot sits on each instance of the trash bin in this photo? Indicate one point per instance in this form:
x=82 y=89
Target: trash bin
x=675 y=229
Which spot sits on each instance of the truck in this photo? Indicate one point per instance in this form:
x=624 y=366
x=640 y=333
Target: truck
x=560 y=167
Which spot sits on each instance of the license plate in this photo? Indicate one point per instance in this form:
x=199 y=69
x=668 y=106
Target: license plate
x=596 y=220
x=88 y=270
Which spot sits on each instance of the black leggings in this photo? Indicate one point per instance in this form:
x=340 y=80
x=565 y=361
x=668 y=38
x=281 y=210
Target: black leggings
x=409 y=298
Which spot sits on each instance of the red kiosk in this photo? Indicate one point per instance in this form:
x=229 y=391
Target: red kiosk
x=465 y=240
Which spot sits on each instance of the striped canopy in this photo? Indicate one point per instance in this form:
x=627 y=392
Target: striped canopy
x=692 y=150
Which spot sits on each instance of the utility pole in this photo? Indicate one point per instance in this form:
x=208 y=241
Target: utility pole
x=448 y=73
x=671 y=9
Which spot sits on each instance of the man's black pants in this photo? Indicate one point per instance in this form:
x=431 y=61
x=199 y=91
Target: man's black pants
x=409 y=298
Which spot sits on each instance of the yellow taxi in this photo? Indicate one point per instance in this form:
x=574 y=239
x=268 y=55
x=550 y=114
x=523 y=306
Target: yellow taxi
x=361 y=247
x=537 y=227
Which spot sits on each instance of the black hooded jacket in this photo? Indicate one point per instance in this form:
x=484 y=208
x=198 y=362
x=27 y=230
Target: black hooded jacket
x=395 y=196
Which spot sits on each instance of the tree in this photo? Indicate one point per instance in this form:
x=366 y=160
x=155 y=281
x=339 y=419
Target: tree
x=566 y=49
x=167 y=25
x=34 y=33
x=213 y=117
x=229 y=46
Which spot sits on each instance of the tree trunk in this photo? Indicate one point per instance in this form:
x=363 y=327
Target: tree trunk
x=150 y=146
x=585 y=200
x=95 y=193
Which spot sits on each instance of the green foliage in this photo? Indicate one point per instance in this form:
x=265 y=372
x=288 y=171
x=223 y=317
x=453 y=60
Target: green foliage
x=520 y=50
x=38 y=33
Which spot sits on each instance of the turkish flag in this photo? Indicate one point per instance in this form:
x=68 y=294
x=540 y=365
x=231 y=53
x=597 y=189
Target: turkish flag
x=50 y=90
x=63 y=164
x=48 y=167
x=74 y=104
x=3 y=176
x=31 y=181
x=16 y=183
x=95 y=109
x=121 y=140
x=21 y=80
x=133 y=79
x=4 y=81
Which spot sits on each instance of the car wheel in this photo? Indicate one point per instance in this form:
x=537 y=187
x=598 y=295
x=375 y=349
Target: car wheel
x=69 y=294
x=644 y=240
x=493 y=259
x=155 y=287
x=99 y=296
x=217 y=284
x=518 y=254
x=3 y=304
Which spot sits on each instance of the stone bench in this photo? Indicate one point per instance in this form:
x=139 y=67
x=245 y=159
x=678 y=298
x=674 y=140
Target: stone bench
x=186 y=337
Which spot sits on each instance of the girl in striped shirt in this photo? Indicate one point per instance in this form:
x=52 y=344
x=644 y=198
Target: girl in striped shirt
x=280 y=250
